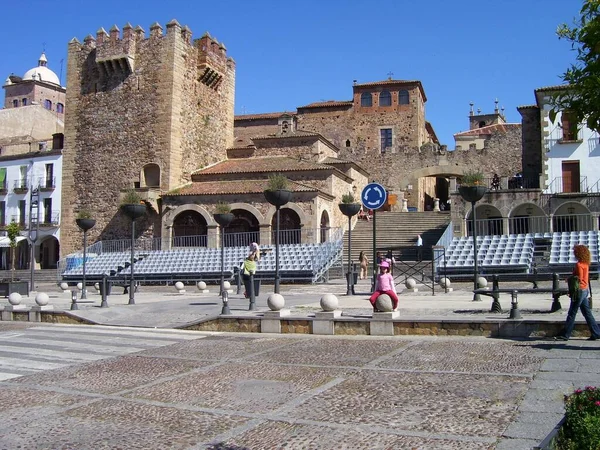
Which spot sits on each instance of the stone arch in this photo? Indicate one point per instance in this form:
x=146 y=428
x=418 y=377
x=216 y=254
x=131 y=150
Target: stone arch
x=324 y=226
x=170 y=215
x=489 y=220
x=292 y=206
x=289 y=226
x=49 y=251
x=251 y=209
x=189 y=229
x=150 y=175
x=243 y=230
x=527 y=217
x=572 y=216
x=424 y=191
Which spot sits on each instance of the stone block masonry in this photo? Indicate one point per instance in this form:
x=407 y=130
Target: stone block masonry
x=133 y=101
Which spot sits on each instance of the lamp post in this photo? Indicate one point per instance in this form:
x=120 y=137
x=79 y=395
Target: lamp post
x=85 y=224
x=349 y=210
x=277 y=198
x=473 y=194
x=133 y=211
x=223 y=219
x=34 y=203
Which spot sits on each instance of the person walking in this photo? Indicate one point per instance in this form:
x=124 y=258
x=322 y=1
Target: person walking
x=364 y=264
x=419 y=245
x=579 y=289
x=385 y=285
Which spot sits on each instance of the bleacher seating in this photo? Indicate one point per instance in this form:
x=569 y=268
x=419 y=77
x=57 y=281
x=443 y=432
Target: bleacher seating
x=514 y=253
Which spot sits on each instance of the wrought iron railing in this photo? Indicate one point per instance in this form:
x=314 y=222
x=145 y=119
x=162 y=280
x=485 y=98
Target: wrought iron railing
x=46 y=182
x=532 y=224
x=556 y=186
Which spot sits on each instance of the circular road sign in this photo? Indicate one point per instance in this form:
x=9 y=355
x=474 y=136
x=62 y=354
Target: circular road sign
x=373 y=196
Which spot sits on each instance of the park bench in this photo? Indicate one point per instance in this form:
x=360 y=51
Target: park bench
x=495 y=292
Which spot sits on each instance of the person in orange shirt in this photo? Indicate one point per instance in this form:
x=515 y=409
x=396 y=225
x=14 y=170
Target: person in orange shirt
x=581 y=270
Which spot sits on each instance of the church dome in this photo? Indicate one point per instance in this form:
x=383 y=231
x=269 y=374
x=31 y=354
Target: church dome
x=41 y=72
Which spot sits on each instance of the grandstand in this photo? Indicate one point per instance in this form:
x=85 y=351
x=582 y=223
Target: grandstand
x=516 y=253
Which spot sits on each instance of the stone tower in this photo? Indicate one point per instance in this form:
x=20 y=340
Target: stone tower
x=140 y=113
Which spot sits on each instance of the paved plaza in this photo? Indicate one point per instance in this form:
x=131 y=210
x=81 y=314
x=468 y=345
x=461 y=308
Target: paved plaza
x=141 y=387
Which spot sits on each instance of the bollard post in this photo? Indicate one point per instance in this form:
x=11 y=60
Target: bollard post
x=238 y=271
x=74 y=306
x=104 y=303
x=514 y=311
x=556 y=306
x=496 y=307
x=251 y=294
x=225 y=298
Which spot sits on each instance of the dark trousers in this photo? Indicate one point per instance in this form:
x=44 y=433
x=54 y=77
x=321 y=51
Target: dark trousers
x=581 y=303
x=419 y=252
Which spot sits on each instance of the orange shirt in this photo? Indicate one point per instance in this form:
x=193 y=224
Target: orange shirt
x=582 y=270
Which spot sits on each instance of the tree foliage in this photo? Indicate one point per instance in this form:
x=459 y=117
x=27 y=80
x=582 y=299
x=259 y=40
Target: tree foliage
x=582 y=97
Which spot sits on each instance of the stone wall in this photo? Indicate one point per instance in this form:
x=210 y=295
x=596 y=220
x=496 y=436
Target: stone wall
x=165 y=111
x=531 y=141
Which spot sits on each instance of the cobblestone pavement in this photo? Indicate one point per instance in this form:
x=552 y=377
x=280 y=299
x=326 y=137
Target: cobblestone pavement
x=240 y=391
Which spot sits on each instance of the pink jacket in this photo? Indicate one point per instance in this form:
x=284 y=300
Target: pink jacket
x=385 y=282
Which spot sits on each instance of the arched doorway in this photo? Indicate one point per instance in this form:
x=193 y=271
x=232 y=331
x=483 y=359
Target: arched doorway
x=571 y=216
x=189 y=230
x=324 y=227
x=289 y=226
x=243 y=230
x=528 y=218
x=489 y=221
x=150 y=176
x=49 y=252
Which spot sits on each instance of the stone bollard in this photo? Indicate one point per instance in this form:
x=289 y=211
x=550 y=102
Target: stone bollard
x=382 y=323
x=323 y=322
x=65 y=288
x=411 y=285
x=202 y=287
x=180 y=287
x=482 y=282
x=446 y=283
x=42 y=301
x=227 y=287
x=14 y=300
x=271 y=322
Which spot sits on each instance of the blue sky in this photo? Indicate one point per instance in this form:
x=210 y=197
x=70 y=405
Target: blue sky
x=290 y=54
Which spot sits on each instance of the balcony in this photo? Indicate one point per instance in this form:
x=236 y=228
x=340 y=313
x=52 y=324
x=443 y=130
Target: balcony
x=47 y=183
x=3 y=188
x=20 y=187
x=560 y=185
x=51 y=220
x=22 y=220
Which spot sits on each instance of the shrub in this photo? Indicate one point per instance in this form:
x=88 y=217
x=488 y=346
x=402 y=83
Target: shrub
x=348 y=198
x=131 y=197
x=222 y=208
x=13 y=230
x=581 y=429
x=84 y=214
x=277 y=182
x=471 y=179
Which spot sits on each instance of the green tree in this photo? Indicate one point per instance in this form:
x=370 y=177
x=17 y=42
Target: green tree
x=13 y=230
x=582 y=97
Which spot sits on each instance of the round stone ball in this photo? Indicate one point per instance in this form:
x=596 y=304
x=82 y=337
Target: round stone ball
x=201 y=285
x=97 y=287
x=79 y=286
x=410 y=283
x=275 y=302
x=42 y=299
x=445 y=282
x=329 y=302
x=64 y=286
x=179 y=286
x=14 y=298
x=384 y=303
x=482 y=282
x=226 y=285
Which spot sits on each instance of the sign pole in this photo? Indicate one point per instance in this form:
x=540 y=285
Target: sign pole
x=373 y=197
x=374 y=250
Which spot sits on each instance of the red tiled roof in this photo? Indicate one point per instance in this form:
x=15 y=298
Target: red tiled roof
x=261 y=165
x=558 y=87
x=273 y=115
x=232 y=187
x=328 y=103
x=499 y=127
x=297 y=133
x=527 y=106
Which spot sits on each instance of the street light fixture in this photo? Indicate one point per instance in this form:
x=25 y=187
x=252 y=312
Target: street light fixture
x=133 y=211
x=85 y=224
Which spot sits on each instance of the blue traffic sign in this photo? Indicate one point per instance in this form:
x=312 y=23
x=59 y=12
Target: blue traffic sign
x=373 y=196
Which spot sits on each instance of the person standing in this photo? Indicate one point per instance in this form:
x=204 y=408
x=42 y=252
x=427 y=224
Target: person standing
x=364 y=264
x=385 y=285
x=579 y=298
x=419 y=245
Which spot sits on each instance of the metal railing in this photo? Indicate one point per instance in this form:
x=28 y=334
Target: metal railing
x=516 y=182
x=532 y=224
x=20 y=185
x=51 y=219
x=556 y=186
x=3 y=186
x=46 y=182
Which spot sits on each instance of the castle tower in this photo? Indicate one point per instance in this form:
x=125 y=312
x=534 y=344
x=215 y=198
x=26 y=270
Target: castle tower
x=142 y=112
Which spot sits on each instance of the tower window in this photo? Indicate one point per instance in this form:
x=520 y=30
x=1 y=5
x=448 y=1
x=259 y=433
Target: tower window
x=403 y=97
x=15 y=103
x=347 y=142
x=24 y=102
x=386 y=139
x=385 y=98
x=60 y=108
x=366 y=99
x=481 y=124
x=48 y=104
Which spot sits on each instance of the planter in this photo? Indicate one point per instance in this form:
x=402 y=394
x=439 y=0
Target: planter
x=224 y=219
x=8 y=287
x=472 y=193
x=349 y=209
x=133 y=211
x=278 y=197
x=85 y=224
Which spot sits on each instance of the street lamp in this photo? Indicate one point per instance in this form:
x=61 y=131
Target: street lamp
x=85 y=223
x=277 y=198
x=34 y=203
x=133 y=211
x=223 y=219
x=349 y=209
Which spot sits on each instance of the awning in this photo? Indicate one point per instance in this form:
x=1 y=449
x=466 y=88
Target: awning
x=5 y=242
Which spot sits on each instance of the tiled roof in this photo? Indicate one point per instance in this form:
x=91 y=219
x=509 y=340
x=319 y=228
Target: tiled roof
x=328 y=103
x=233 y=187
x=297 y=133
x=330 y=160
x=552 y=88
x=527 y=107
x=499 y=127
x=273 y=115
x=261 y=165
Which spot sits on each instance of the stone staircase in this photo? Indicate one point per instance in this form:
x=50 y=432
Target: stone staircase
x=398 y=231
x=40 y=275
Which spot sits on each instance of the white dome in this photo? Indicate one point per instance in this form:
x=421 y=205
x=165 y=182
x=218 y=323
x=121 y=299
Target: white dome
x=41 y=73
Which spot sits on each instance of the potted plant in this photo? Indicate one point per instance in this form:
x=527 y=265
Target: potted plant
x=472 y=186
x=84 y=220
x=223 y=215
x=349 y=207
x=277 y=192
x=132 y=205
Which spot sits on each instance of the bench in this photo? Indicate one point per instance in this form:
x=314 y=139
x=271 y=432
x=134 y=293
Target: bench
x=555 y=290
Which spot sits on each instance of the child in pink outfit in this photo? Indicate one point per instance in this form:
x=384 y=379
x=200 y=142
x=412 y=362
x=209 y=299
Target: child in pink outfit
x=385 y=285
